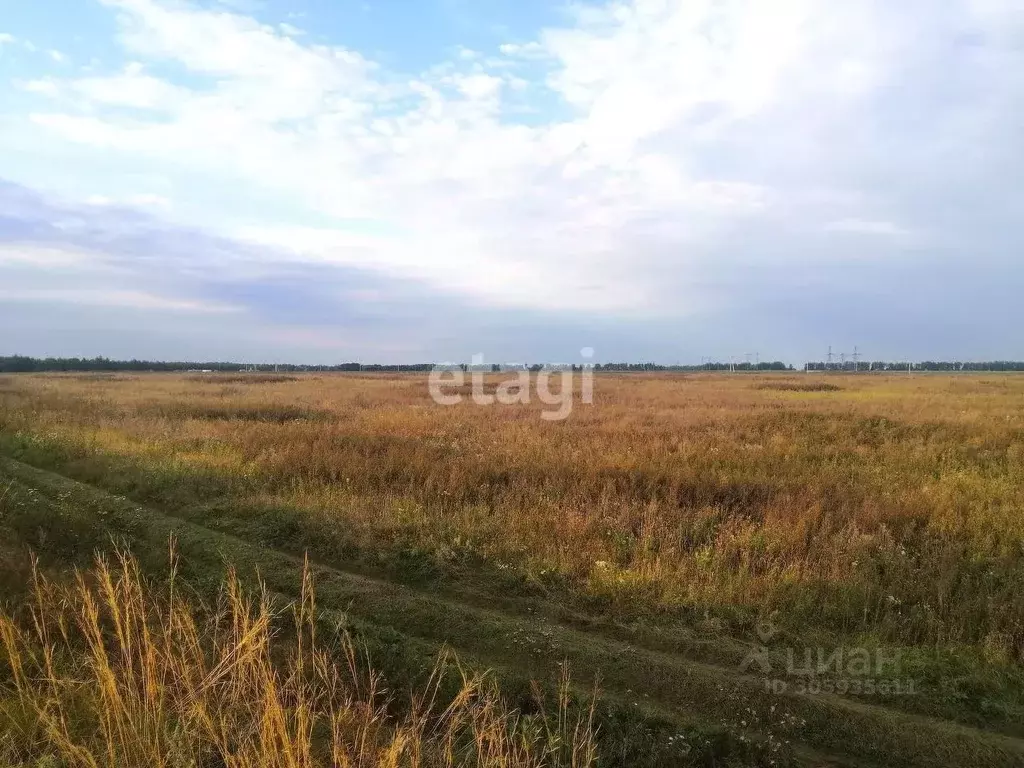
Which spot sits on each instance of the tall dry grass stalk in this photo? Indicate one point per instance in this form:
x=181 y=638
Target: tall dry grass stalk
x=112 y=671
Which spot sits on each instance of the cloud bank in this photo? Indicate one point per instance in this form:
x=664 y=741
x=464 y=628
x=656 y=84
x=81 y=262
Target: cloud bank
x=664 y=179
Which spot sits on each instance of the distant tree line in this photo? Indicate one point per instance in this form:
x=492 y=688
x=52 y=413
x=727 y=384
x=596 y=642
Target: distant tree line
x=928 y=365
x=24 y=364
x=710 y=366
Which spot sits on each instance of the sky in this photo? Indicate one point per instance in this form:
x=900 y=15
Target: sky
x=317 y=181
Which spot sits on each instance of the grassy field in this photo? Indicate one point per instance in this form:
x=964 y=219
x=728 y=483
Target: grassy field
x=656 y=538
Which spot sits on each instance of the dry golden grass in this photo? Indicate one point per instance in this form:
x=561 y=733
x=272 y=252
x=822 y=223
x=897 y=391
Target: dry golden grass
x=888 y=506
x=110 y=671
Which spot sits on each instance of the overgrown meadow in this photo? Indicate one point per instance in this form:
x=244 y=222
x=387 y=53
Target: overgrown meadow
x=880 y=510
x=888 y=505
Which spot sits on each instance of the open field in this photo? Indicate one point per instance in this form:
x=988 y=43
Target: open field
x=656 y=538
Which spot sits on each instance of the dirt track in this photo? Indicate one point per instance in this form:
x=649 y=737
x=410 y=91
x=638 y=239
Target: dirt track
x=521 y=637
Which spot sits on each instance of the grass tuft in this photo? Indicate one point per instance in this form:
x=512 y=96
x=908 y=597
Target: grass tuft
x=111 y=670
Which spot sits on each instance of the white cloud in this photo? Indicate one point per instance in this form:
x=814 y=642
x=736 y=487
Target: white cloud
x=480 y=87
x=45 y=257
x=86 y=130
x=131 y=88
x=532 y=49
x=44 y=87
x=230 y=45
x=63 y=273
x=149 y=200
x=100 y=297
x=139 y=200
x=661 y=132
x=866 y=227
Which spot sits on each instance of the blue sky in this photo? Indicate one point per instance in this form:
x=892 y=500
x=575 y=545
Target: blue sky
x=382 y=180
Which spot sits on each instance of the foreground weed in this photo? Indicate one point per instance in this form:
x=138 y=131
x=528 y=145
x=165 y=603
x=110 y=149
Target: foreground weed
x=110 y=671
